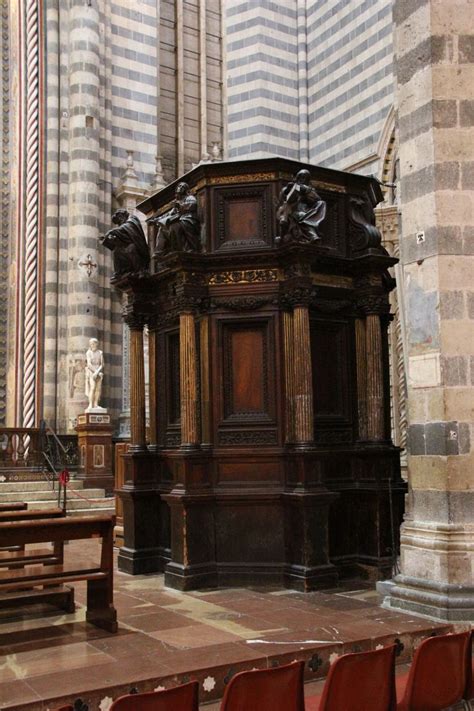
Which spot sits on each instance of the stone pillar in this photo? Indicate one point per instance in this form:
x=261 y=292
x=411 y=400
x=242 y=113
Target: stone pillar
x=83 y=205
x=188 y=381
x=303 y=377
x=375 y=385
x=137 y=390
x=435 y=73
x=289 y=376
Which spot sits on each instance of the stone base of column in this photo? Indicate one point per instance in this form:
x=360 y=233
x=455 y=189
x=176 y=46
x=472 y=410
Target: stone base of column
x=451 y=603
x=141 y=552
x=435 y=550
x=94 y=433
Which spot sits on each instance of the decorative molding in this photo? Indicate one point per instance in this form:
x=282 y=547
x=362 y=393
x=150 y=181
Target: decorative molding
x=243 y=303
x=243 y=276
x=248 y=437
x=31 y=200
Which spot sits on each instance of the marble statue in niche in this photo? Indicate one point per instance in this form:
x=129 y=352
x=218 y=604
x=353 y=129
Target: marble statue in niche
x=179 y=229
x=128 y=243
x=94 y=375
x=300 y=211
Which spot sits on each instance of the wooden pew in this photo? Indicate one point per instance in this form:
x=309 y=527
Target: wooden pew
x=30 y=514
x=99 y=576
x=26 y=514
x=14 y=506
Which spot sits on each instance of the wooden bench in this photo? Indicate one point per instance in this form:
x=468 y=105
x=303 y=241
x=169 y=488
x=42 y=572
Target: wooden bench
x=30 y=515
x=99 y=576
x=14 y=506
x=25 y=514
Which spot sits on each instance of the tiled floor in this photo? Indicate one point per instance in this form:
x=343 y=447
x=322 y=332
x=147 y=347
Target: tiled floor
x=166 y=637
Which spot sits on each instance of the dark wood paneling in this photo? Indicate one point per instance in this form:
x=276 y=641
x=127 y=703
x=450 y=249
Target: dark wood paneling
x=330 y=354
x=243 y=217
x=247 y=351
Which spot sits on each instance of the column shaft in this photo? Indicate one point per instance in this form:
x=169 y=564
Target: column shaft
x=361 y=364
x=152 y=389
x=289 y=376
x=205 y=383
x=303 y=376
x=137 y=392
x=375 y=389
x=188 y=380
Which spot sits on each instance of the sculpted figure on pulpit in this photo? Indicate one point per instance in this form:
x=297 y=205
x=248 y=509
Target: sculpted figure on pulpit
x=179 y=228
x=128 y=243
x=300 y=211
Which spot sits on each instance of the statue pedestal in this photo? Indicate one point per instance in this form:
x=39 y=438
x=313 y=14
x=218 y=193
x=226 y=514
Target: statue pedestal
x=94 y=433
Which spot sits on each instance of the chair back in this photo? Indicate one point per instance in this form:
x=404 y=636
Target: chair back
x=278 y=689
x=439 y=675
x=361 y=681
x=180 y=698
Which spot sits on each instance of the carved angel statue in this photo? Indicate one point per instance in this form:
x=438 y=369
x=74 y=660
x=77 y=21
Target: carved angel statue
x=300 y=210
x=128 y=243
x=179 y=228
x=94 y=374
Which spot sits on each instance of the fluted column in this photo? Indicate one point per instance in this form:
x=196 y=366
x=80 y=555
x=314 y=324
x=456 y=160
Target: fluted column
x=303 y=376
x=375 y=389
x=361 y=364
x=289 y=376
x=152 y=391
x=205 y=384
x=137 y=390
x=188 y=381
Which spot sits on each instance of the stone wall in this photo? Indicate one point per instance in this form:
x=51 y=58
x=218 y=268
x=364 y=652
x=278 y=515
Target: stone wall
x=435 y=76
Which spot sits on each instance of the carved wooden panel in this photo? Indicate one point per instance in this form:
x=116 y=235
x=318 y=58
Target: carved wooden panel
x=332 y=399
x=245 y=411
x=168 y=400
x=243 y=217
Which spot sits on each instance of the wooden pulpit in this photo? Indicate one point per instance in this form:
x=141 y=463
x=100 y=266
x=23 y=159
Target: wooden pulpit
x=269 y=458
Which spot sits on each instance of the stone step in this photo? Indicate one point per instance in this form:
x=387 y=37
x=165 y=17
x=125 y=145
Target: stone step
x=24 y=486
x=46 y=495
x=76 y=503
x=72 y=513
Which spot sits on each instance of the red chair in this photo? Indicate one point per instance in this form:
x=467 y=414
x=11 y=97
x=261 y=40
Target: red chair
x=440 y=674
x=180 y=698
x=278 y=689
x=358 y=682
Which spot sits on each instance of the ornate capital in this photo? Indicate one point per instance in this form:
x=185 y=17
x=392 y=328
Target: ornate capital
x=297 y=296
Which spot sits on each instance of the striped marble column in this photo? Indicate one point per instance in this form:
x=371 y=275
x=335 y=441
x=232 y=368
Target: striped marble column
x=435 y=75
x=84 y=178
